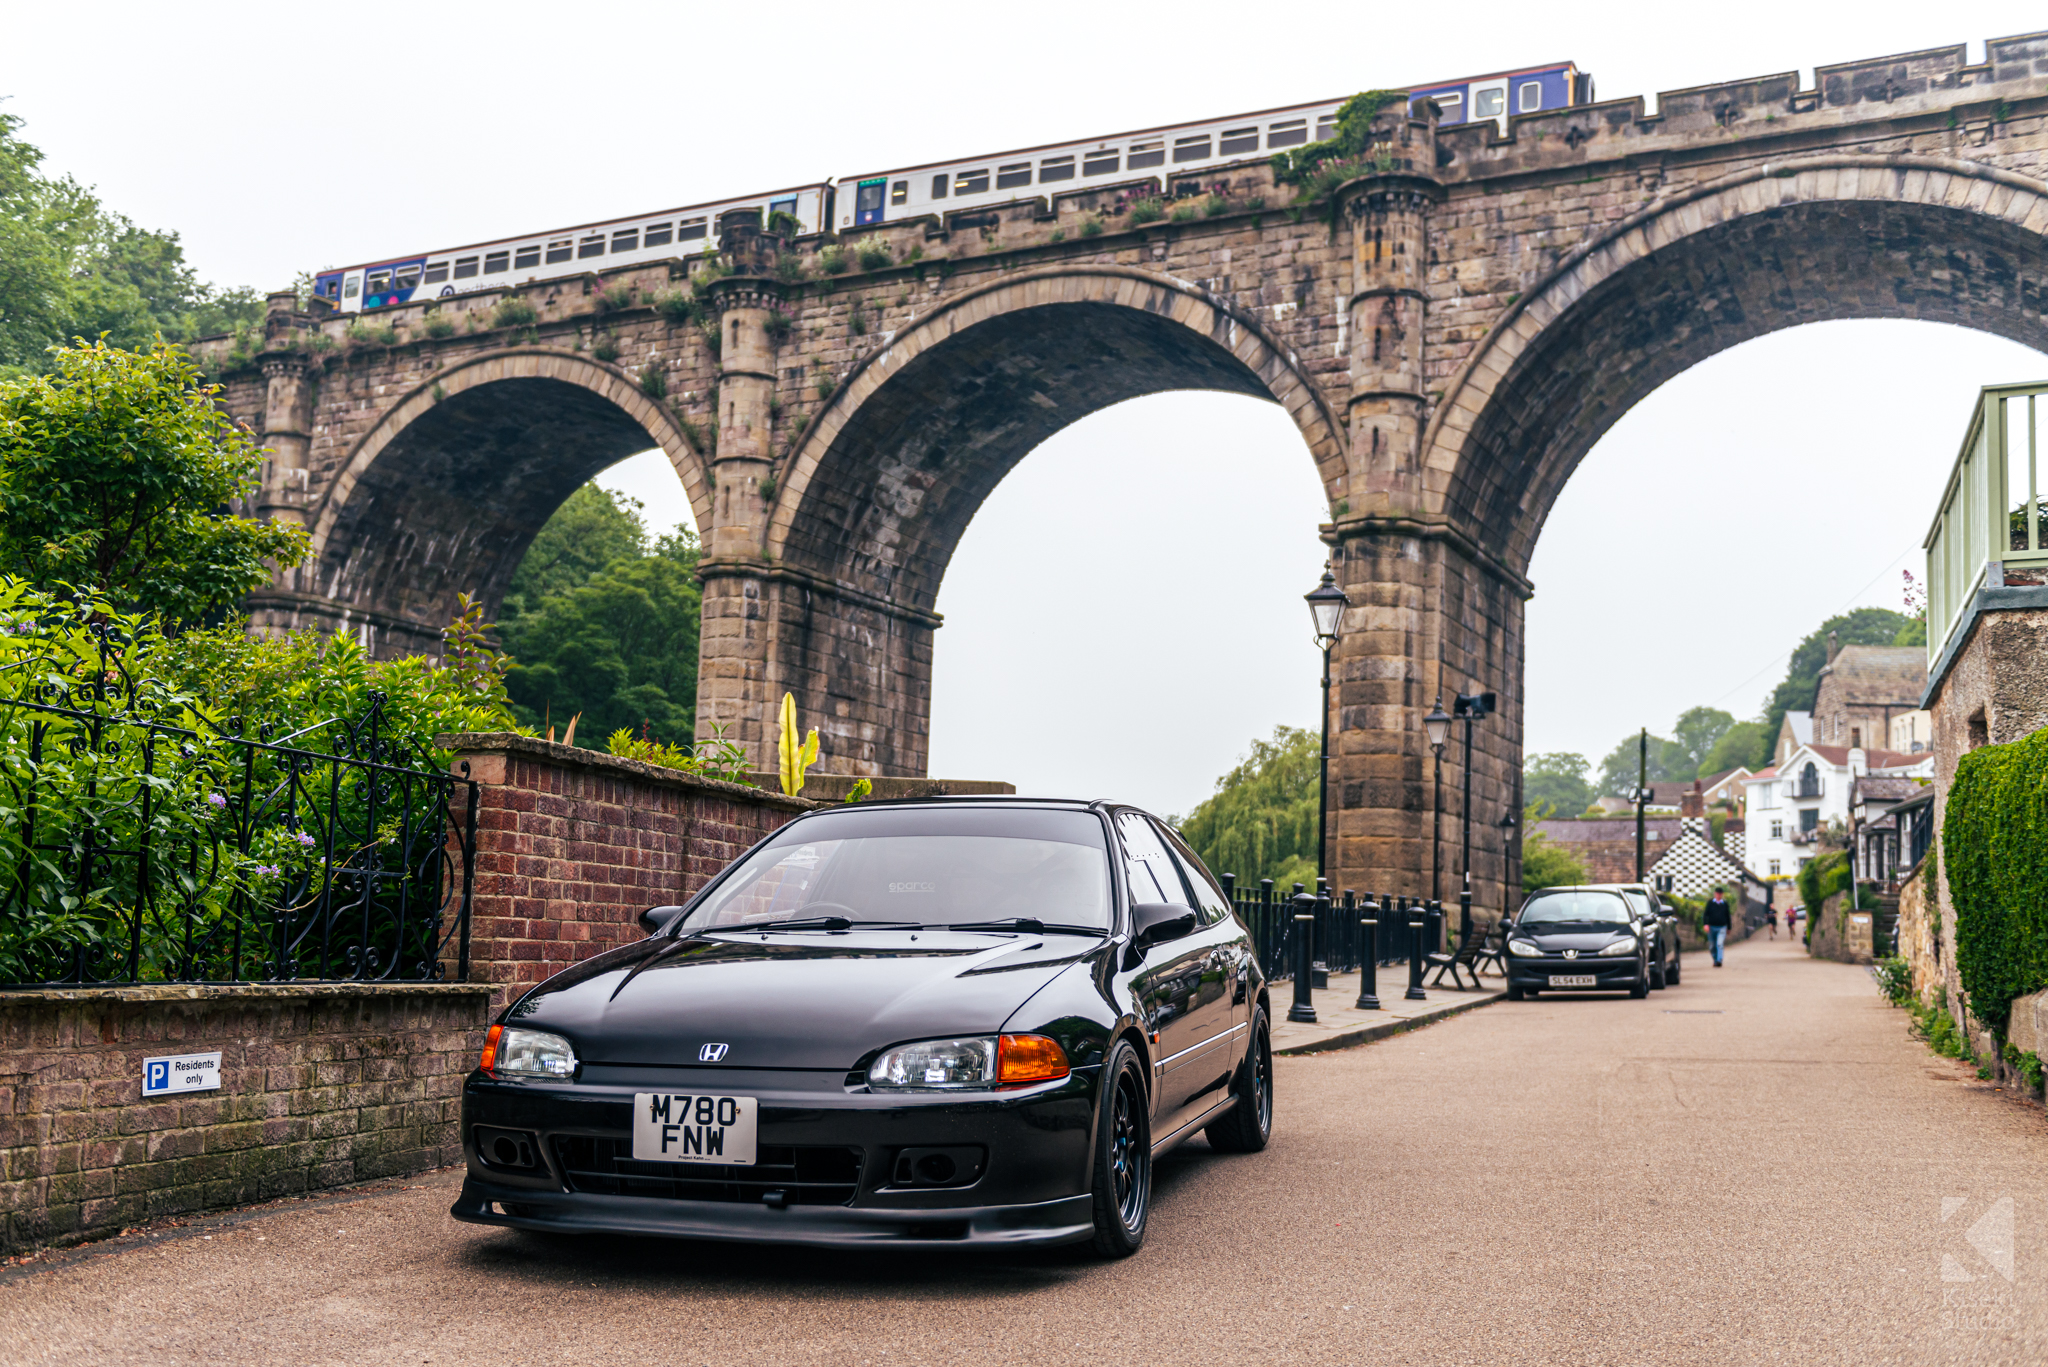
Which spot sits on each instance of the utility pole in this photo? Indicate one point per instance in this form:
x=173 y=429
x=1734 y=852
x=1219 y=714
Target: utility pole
x=1642 y=793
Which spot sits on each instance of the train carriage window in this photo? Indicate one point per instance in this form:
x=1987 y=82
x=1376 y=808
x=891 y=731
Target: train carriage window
x=560 y=250
x=1151 y=153
x=437 y=271
x=465 y=267
x=1191 y=149
x=494 y=263
x=406 y=278
x=1101 y=163
x=350 y=289
x=939 y=184
x=1488 y=104
x=690 y=230
x=626 y=240
x=527 y=257
x=1287 y=133
x=867 y=201
x=1015 y=174
x=971 y=182
x=1452 y=103
x=1326 y=127
x=590 y=246
x=376 y=282
x=1055 y=168
x=1239 y=140
x=899 y=193
x=1528 y=97
x=657 y=235
x=781 y=206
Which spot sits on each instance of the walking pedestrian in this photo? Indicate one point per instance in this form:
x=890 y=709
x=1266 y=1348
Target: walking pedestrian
x=1791 y=915
x=1772 y=919
x=1717 y=921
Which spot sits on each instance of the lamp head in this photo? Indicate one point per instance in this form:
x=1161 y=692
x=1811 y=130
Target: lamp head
x=1326 y=604
x=1437 y=725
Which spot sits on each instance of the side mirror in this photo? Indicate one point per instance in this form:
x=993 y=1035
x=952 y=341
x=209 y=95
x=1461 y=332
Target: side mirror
x=1154 y=923
x=654 y=920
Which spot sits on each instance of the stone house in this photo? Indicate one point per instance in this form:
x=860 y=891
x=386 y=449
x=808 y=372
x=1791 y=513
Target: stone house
x=1607 y=847
x=1862 y=688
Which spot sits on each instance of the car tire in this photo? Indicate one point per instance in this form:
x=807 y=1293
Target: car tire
x=1250 y=1122
x=1122 y=1185
x=1641 y=987
x=1516 y=994
x=1671 y=973
x=1657 y=976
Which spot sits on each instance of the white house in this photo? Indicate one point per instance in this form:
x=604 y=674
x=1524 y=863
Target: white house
x=1787 y=804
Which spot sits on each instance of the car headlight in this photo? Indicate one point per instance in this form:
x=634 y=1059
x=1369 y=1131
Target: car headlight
x=1525 y=948
x=527 y=1053
x=936 y=1065
x=949 y=1065
x=1621 y=947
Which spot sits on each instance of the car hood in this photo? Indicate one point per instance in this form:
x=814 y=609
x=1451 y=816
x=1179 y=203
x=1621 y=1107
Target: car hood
x=794 y=1000
x=1557 y=941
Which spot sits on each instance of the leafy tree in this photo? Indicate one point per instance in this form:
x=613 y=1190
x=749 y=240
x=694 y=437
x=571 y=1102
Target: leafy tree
x=589 y=532
x=1862 y=627
x=1743 y=745
x=118 y=474
x=1696 y=732
x=1545 y=865
x=604 y=627
x=70 y=267
x=1669 y=761
x=1261 y=821
x=1559 y=780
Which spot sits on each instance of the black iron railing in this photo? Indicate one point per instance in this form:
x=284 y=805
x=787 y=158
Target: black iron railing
x=141 y=843
x=1338 y=935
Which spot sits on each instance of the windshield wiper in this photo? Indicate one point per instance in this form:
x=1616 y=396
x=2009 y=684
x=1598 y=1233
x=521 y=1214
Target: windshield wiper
x=1029 y=924
x=808 y=923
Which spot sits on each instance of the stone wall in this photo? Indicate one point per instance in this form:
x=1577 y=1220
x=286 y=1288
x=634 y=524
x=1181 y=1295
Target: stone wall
x=572 y=845
x=1993 y=691
x=1840 y=932
x=1917 y=942
x=321 y=1086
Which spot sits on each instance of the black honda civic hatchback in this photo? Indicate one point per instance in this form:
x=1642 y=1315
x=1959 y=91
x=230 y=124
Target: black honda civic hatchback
x=928 y=1024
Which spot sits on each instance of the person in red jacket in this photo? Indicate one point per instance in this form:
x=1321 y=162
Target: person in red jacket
x=1717 y=921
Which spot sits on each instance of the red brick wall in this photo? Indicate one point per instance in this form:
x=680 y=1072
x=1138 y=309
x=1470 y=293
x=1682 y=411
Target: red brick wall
x=321 y=1086
x=573 y=845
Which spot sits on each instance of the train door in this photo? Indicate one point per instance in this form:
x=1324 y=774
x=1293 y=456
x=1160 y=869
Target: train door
x=1490 y=101
x=867 y=201
x=352 y=291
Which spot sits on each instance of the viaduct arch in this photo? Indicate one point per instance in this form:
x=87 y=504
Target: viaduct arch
x=1451 y=330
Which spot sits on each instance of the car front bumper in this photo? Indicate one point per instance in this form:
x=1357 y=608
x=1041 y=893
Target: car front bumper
x=1033 y=1187
x=1610 y=975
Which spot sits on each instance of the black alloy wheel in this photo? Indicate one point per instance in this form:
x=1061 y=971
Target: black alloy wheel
x=1123 y=1156
x=1641 y=987
x=1657 y=976
x=1250 y=1122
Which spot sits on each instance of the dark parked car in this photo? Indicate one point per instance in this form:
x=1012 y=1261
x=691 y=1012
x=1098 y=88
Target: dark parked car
x=1660 y=927
x=1582 y=939
x=907 y=1025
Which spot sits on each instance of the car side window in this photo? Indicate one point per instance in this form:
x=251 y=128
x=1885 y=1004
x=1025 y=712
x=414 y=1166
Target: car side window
x=1209 y=899
x=1147 y=866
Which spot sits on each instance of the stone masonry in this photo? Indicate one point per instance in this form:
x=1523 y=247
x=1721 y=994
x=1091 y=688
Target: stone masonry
x=322 y=1086
x=1451 y=328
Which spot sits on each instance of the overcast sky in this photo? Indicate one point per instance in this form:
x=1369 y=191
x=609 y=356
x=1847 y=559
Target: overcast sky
x=1129 y=641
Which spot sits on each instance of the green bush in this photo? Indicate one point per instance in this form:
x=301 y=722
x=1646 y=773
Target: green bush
x=1895 y=978
x=1934 y=1024
x=513 y=312
x=873 y=252
x=1995 y=838
x=1149 y=210
x=832 y=259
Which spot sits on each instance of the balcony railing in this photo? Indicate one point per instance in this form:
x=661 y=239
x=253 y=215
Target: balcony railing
x=1994 y=510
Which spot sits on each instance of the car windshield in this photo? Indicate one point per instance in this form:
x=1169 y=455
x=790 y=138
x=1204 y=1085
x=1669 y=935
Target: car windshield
x=1577 y=906
x=923 y=867
x=1638 y=900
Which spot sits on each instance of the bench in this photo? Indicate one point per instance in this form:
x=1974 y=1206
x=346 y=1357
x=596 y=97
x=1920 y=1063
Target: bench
x=1471 y=952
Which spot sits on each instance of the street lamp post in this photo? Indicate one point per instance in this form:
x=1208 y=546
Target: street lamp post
x=1437 y=726
x=1472 y=707
x=1326 y=604
x=1642 y=794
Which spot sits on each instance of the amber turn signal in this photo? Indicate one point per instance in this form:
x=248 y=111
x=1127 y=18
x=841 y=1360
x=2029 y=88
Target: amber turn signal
x=490 y=1048
x=1025 y=1059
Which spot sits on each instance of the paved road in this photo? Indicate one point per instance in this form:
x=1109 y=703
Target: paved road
x=1752 y=1167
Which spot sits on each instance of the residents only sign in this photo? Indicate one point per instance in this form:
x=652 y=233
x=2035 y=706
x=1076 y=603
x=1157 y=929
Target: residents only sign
x=181 y=1073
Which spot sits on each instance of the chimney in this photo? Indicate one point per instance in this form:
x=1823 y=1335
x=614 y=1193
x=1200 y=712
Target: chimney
x=1834 y=647
x=1694 y=803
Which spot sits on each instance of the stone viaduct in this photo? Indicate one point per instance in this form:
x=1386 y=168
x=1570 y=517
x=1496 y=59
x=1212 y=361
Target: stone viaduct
x=1451 y=328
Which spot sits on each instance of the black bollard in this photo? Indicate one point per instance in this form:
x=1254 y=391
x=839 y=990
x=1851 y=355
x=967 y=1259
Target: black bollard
x=1304 y=1008
x=1418 y=919
x=1368 y=954
x=1433 y=932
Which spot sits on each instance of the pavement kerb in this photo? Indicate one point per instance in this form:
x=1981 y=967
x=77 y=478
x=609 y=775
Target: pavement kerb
x=1352 y=1036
